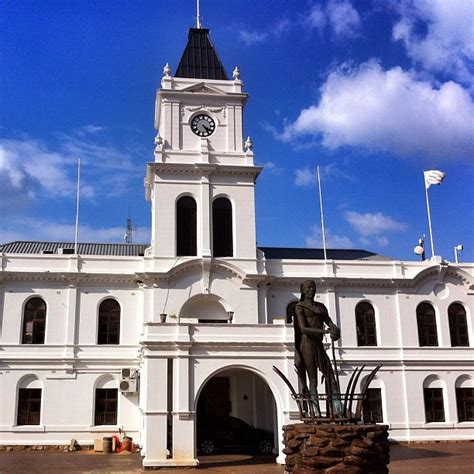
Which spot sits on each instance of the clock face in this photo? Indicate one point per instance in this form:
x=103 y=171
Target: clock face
x=203 y=125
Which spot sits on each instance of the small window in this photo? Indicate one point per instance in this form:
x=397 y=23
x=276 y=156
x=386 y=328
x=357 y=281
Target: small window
x=465 y=403
x=186 y=225
x=434 y=404
x=34 y=321
x=290 y=312
x=222 y=228
x=29 y=406
x=365 y=323
x=372 y=406
x=458 y=325
x=106 y=406
x=109 y=322
x=426 y=320
x=213 y=321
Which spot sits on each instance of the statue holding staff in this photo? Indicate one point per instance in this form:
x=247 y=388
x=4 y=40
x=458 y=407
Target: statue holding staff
x=310 y=354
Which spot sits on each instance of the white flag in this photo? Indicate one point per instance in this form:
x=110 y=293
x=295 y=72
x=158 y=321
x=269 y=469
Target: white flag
x=433 y=177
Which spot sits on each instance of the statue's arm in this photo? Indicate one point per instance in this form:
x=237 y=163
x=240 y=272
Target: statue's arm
x=334 y=330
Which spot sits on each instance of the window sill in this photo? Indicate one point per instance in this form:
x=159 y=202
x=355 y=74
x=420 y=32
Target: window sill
x=28 y=428
x=107 y=428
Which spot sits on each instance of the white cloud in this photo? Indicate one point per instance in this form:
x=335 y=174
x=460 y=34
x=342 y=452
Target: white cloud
x=389 y=110
x=308 y=176
x=317 y=18
x=339 y=15
x=30 y=169
x=271 y=167
x=49 y=230
x=305 y=177
x=373 y=224
x=382 y=241
x=334 y=241
x=343 y=18
x=252 y=37
x=438 y=35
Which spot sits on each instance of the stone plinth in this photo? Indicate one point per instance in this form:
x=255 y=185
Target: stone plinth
x=349 y=448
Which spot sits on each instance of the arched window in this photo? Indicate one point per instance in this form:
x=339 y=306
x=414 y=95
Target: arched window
x=290 y=312
x=365 y=324
x=109 y=322
x=426 y=320
x=458 y=325
x=186 y=223
x=465 y=398
x=106 y=401
x=222 y=228
x=433 y=399
x=34 y=321
x=29 y=401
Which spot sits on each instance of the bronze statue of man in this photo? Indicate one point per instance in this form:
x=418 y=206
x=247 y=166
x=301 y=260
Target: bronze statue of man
x=310 y=354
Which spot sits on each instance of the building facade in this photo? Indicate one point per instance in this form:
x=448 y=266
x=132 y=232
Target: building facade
x=154 y=340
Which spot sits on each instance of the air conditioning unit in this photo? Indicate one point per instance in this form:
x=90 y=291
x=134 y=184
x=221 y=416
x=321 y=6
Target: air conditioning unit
x=129 y=382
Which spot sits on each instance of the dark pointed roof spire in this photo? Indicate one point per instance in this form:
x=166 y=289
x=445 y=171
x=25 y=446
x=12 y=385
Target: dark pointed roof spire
x=200 y=60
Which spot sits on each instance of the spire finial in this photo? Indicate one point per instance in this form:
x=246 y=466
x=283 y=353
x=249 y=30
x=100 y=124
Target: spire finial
x=198 y=16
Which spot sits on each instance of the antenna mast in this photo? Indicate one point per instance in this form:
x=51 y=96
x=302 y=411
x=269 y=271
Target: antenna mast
x=198 y=16
x=128 y=237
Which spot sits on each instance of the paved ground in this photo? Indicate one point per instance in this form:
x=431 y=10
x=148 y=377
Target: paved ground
x=422 y=458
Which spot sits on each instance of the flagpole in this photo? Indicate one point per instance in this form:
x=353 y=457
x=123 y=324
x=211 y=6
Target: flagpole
x=76 y=233
x=429 y=221
x=323 y=232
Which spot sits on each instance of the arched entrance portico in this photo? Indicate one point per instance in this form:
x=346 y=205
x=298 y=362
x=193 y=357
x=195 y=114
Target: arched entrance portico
x=236 y=411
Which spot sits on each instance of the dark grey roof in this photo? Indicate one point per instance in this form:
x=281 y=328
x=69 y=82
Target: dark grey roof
x=29 y=247
x=318 y=254
x=200 y=60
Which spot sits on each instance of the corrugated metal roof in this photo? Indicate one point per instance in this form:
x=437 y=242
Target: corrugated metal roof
x=200 y=60
x=135 y=250
x=318 y=254
x=30 y=247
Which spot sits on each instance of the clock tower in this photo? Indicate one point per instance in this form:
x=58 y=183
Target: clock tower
x=201 y=182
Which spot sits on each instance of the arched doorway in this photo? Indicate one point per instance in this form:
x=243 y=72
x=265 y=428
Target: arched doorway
x=236 y=412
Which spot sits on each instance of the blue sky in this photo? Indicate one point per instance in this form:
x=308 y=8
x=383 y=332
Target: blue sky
x=373 y=91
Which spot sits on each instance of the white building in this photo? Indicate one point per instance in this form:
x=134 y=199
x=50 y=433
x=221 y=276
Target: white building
x=70 y=323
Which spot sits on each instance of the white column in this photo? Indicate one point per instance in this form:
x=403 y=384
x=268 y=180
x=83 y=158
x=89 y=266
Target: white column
x=184 y=446
x=71 y=311
x=153 y=404
x=205 y=216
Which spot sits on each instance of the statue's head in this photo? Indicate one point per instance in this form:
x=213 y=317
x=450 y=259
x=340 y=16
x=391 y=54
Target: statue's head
x=308 y=288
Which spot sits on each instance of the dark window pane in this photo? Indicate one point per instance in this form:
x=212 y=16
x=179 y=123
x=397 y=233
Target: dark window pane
x=106 y=406
x=186 y=223
x=222 y=240
x=434 y=405
x=465 y=404
x=372 y=406
x=109 y=322
x=29 y=406
x=458 y=325
x=426 y=321
x=34 y=321
x=365 y=323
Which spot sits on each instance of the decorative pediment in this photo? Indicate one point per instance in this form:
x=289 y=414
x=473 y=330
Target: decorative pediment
x=203 y=88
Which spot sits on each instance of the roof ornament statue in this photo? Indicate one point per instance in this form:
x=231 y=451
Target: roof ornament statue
x=236 y=74
x=167 y=70
x=248 y=144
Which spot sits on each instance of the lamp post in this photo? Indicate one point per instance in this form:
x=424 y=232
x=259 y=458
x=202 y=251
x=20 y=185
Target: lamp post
x=457 y=248
x=420 y=248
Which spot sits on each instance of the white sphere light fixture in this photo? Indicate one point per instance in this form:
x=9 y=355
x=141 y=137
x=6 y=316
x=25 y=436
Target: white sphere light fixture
x=419 y=250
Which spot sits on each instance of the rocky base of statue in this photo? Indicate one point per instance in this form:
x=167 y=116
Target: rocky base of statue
x=329 y=448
